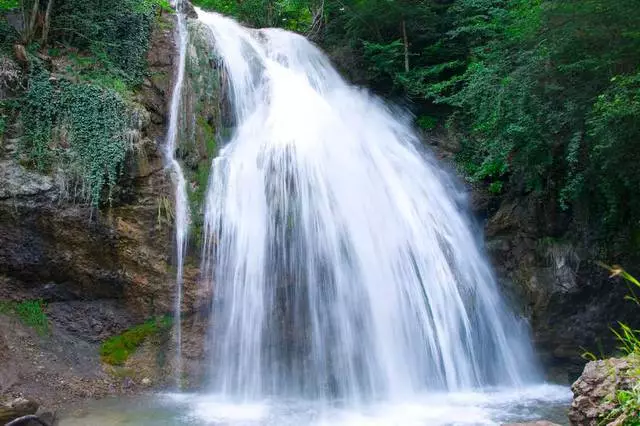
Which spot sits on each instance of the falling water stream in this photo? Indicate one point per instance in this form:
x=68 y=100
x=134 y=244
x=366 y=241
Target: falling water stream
x=350 y=287
x=179 y=183
x=345 y=265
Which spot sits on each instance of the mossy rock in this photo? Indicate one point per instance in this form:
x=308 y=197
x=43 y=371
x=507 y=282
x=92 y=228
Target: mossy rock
x=117 y=349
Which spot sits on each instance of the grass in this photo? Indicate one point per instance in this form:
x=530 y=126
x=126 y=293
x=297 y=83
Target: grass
x=117 y=349
x=30 y=312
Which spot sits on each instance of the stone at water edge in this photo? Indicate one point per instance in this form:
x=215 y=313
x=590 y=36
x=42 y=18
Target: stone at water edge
x=595 y=389
x=15 y=408
x=538 y=423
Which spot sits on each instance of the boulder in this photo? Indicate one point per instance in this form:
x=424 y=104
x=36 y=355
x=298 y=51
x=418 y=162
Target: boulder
x=594 y=392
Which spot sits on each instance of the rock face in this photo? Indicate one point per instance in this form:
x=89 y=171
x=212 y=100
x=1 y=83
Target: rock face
x=53 y=249
x=594 y=392
x=102 y=271
x=569 y=300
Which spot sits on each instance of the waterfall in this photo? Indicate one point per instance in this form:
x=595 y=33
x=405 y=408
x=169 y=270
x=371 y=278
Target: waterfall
x=179 y=183
x=343 y=263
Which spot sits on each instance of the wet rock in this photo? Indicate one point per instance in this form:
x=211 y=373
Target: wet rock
x=15 y=408
x=594 y=392
x=189 y=10
x=569 y=301
x=94 y=321
x=537 y=423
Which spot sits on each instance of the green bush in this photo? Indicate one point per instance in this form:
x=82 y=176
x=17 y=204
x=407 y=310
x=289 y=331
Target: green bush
x=117 y=349
x=30 y=312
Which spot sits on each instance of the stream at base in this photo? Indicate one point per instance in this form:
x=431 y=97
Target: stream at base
x=491 y=407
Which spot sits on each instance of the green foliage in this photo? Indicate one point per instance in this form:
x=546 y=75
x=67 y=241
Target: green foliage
x=551 y=105
x=30 y=312
x=80 y=126
x=613 y=130
x=496 y=187
x=117 y=349
x=384 y=60
x=628 y=407
x=427 y=122
x=116 y=33
x=6 y=5
x=77 y=120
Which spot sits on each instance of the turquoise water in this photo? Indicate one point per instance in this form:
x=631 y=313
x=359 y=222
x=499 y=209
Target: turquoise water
x=491 y=407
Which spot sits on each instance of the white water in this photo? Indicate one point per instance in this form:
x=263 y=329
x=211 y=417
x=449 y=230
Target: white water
x=490 y=408
x=181 y=203
x=343 y=263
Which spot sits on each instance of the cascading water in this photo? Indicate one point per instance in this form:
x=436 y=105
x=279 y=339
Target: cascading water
x=179 y=182
x=349 y=288
x=343 y=264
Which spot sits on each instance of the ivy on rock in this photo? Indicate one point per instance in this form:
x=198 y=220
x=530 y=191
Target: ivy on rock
x=81 y=128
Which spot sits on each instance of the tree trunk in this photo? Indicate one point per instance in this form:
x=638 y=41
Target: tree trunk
x=30 y=25
x=406 y=46
x=47 y=23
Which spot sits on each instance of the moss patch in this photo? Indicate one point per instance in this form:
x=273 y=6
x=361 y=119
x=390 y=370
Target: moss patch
x=199 y=136
x=116 y=349
x=30 y=312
